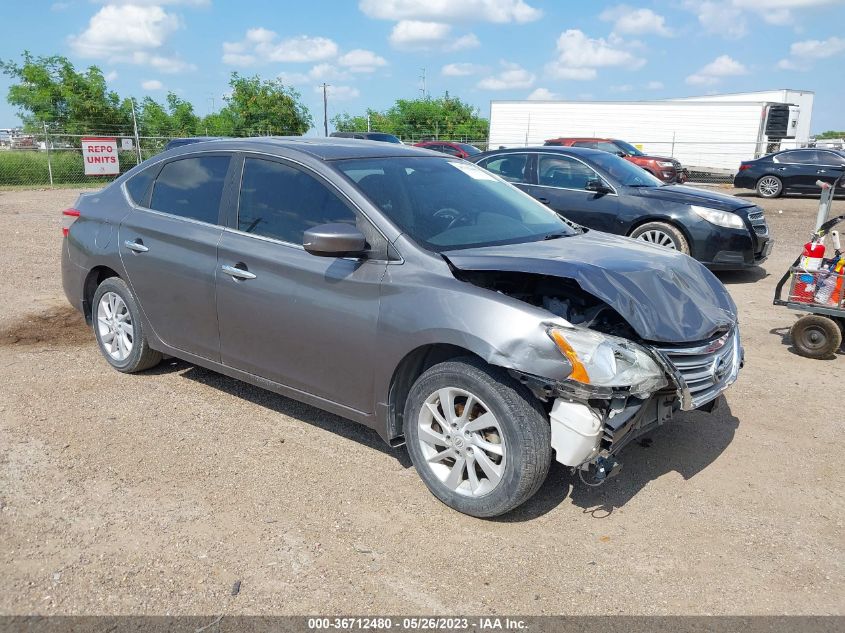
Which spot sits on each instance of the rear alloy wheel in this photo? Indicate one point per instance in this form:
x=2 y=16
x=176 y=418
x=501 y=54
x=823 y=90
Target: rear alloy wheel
x=118 y=328
x=478 y=439
x=662 y=234
x=816 y=336
x=769 y=187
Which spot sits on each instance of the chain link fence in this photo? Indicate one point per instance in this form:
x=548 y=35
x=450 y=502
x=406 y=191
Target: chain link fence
x=56 y=159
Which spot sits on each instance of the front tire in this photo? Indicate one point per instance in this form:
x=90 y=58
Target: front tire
x=662 y=234
x=118 y=328
x=479 y=440
x=769 y=187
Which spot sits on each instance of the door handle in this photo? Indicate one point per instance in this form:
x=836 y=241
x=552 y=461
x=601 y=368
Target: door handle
x=237 y=273
x=821 y=171
x=137 y=246
x=544 y=200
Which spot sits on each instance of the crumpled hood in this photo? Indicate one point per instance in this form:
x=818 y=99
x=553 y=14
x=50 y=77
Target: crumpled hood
x=667 y=297
x=692 y=195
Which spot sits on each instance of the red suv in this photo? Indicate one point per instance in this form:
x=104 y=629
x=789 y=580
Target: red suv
x=666 y=169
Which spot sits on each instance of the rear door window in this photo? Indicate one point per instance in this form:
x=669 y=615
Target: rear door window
x=804 y=157
x=587 y=144
x=282 y=202
x=191 y=188
x=510 y=167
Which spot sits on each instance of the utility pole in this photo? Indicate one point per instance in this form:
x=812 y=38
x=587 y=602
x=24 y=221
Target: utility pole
x=325 y=110
x=368 y=122
x=423 y=89
x=47 y=147
x=137 y=138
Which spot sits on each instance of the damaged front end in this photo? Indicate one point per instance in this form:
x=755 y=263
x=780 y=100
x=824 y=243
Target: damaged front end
x=621 y=386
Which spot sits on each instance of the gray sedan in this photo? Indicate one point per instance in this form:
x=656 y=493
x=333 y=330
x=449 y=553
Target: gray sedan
x=409 y=291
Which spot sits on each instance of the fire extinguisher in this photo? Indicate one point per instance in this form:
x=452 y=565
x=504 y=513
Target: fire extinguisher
x=804 y=289
x=811 y=258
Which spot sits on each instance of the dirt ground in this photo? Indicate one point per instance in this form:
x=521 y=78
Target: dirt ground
x=154 y=493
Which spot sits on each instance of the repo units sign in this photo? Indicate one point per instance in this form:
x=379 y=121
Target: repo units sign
x=100 y=156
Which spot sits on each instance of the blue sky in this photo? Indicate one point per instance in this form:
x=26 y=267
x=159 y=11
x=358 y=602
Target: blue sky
x=373 y=51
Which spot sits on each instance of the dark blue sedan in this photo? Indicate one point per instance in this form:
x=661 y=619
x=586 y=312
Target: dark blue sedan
x=792 y=170
x=601 y=191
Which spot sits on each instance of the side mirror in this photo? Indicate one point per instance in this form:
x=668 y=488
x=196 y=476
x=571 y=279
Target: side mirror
x=597 y=185
x=621 y=154
x=334 y=240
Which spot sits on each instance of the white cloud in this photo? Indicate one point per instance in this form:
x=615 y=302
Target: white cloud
x=462 y=70
x=543 y=94
x=339 y=93
x=111 y=75
x=579 y=56
x=729 y=18
x=654 y=85
x=262 y=45
x=419 y=35
x=192 y=3
x=320 y=72
x=622 y=88
x=500 y=11
x=803 y=53
x=512 y=76
x=361 y=61
x=630 y=21
x=152 y=84
x=122 y=30
x=722 y=66
x=721 y=18
x=818 y=49
x=553 y=69
x=131 y=34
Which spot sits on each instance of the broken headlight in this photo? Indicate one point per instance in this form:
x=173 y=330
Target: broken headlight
x=602 y=360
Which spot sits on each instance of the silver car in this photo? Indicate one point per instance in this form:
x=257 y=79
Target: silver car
x=409 y=291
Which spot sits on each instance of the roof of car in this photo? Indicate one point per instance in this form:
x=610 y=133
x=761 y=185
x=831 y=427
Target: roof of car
x=580 y=138
x=575 y=151
x=331 y=148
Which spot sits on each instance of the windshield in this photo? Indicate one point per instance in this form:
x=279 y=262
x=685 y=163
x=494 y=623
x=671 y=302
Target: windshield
x=446 y=204
x=626 y=173
x=385 y=138
x=628 y=148
x=469 y=149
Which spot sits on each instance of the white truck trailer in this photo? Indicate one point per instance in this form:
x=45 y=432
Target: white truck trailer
x=711 y=137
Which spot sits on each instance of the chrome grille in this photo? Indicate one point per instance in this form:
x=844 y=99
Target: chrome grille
x=704 y=371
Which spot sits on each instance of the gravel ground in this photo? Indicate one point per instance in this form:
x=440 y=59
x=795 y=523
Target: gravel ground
x=155 y=493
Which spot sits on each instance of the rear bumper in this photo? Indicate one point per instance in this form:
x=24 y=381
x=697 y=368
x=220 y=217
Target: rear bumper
x=73 y=278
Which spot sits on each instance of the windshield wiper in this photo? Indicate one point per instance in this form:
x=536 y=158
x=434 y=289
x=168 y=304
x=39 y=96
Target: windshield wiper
x=554 y=236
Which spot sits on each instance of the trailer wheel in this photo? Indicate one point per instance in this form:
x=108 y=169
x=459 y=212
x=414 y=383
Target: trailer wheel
x=816 y=336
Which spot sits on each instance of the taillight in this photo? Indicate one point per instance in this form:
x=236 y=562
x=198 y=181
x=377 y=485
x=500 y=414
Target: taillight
x=68 y=217
x=743 y=167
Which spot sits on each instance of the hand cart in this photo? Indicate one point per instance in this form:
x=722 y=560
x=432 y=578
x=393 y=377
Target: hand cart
x=818 y=291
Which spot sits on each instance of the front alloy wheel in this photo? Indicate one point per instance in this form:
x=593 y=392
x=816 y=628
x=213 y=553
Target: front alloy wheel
x=462 y=441
x=478 y=438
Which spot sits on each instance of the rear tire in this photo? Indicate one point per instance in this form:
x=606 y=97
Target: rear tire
x=118 y=328
x=504 y=437
x=769 y=187
x=815 y=336
x=662 y=234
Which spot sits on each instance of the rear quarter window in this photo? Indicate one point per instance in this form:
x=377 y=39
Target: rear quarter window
x=139 y=185
x=191 y=188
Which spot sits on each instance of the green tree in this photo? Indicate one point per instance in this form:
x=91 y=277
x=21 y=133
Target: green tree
x=831 y=134
x=257 y=106
x=446 y=117
x=49 y=90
